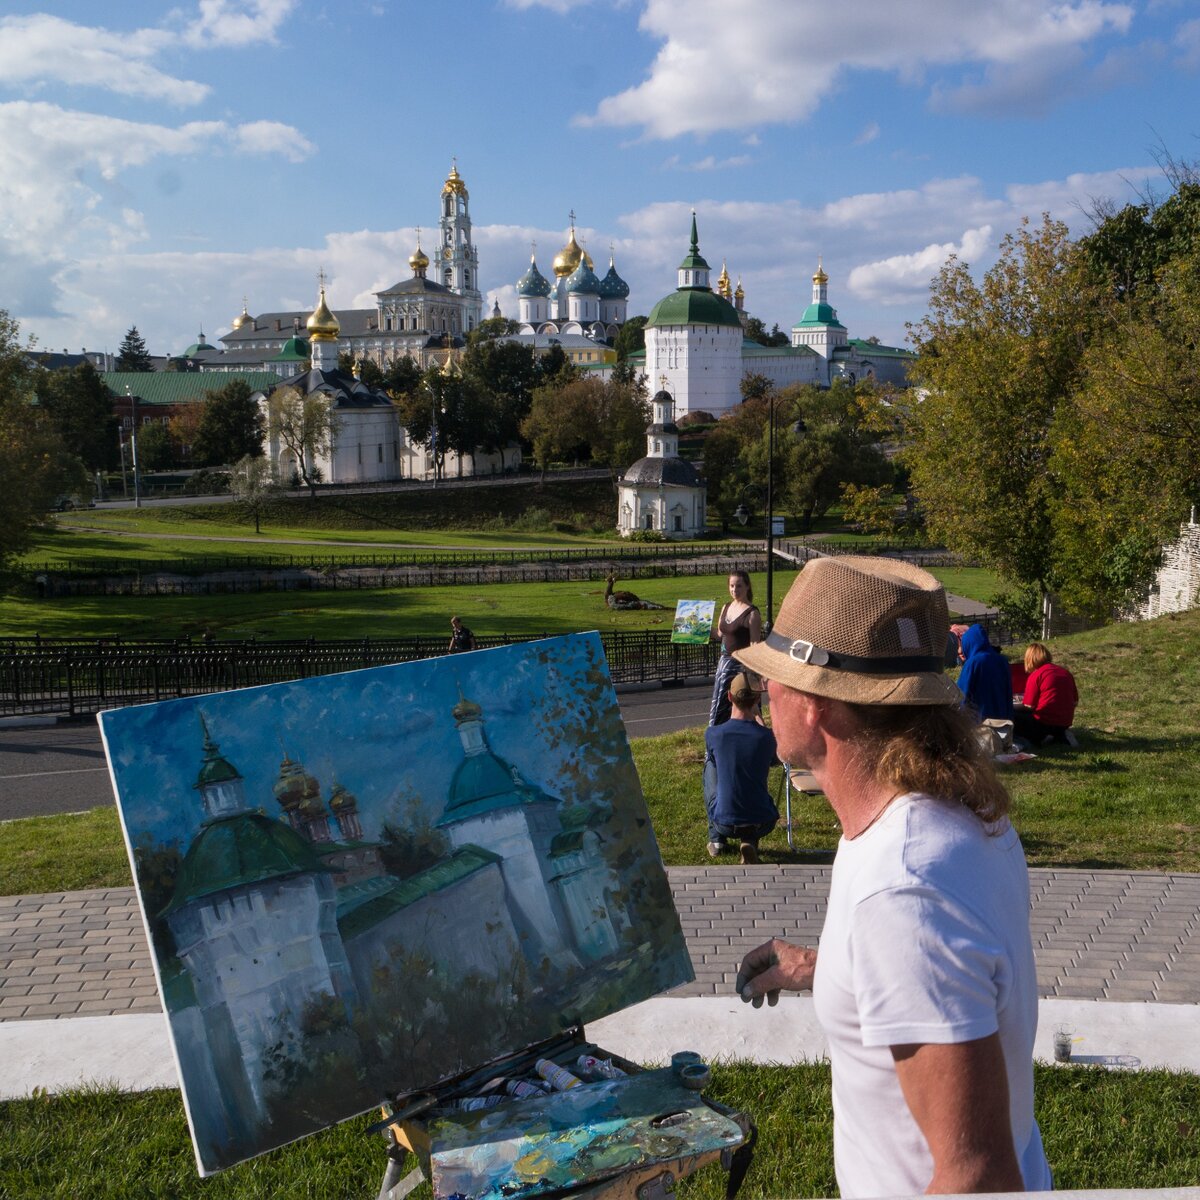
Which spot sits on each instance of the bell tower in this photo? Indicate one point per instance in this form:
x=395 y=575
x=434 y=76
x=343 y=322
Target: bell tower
x=457 y=257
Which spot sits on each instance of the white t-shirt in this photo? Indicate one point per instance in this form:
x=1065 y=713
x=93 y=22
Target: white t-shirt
x=926 y=940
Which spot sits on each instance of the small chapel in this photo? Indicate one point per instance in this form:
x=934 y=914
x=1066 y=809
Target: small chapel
x=661 y=491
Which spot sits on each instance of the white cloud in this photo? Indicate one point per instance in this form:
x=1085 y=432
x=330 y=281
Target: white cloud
x=41 y=49
x=1187 y=42
x=869 y=133
x=904 y=278
x=778 y=62
x=272 y=137
x=709 y=163
x=237 y=22
x=558 y=6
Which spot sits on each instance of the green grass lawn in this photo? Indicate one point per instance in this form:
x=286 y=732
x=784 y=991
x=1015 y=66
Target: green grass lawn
x=976 y=583
x=1126 y=798
x=497 y=608
x=1101 y=1129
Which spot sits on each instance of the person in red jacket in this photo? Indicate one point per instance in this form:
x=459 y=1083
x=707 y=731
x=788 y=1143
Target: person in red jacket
x=1049 y=701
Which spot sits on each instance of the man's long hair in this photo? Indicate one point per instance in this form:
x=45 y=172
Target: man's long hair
x=935 y=749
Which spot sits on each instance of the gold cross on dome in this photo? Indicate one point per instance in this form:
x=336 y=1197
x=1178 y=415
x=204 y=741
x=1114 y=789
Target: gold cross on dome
x=321 y=278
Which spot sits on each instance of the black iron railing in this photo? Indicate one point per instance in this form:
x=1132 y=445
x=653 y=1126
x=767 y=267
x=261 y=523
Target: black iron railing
x=78 y=677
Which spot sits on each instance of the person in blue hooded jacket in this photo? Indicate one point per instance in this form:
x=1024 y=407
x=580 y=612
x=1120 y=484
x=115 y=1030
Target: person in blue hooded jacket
x=985 y=680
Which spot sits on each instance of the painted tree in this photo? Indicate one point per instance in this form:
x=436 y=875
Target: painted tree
x=305 y=426
x=132 y=354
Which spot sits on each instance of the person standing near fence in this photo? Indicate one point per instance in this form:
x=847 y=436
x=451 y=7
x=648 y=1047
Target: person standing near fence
x=739 y=626
x=461 y=638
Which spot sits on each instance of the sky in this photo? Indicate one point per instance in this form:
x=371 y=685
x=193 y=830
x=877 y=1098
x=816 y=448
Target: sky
x=161 y=162
x=386 y=734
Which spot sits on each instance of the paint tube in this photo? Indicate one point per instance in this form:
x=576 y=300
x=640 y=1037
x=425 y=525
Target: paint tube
x=472 y=1103
x=558 y=1077
x=524 y=1088
x=603 y=1068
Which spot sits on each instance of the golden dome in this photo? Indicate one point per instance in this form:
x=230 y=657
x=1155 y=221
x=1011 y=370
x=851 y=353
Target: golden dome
x=419 y=260
x=739 y=292
x=454 y=184
x=568 y=258
x=323 y=326
x=820 y=276
x=723 y=281
x=243 y=318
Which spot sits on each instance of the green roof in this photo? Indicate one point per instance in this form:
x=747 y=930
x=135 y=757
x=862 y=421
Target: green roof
x=247 y=847
x=295 y=349
x=181 y=387
x=465 y=861
x=818 y=314
x=693 y=306
x=694 y=260
x=878 y=350
x=483 y=783
x=758 y=350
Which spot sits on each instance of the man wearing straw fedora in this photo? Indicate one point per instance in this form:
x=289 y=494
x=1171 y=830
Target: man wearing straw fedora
x=924 y=981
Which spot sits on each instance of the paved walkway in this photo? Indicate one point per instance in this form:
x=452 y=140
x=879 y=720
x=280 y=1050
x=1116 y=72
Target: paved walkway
x=1098 y=935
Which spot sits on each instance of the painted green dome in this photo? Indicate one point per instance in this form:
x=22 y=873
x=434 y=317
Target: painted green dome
x=233 y=851
x=693 y=306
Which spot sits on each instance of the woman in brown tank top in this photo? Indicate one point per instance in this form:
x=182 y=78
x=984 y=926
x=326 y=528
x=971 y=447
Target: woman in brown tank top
x=739 y=624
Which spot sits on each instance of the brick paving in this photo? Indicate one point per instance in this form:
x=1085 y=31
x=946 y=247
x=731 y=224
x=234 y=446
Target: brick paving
x=1098 y=935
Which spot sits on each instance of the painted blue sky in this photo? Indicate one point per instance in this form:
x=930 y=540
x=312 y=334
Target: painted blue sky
x=385 y=734
x=163 y=160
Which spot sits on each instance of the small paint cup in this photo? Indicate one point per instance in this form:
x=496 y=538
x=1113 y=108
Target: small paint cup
x=684 y=1058
x=1064 y=1035
x=695 y=1076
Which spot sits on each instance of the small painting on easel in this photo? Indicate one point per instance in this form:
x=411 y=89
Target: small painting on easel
x=693 y=621
x=364 y=884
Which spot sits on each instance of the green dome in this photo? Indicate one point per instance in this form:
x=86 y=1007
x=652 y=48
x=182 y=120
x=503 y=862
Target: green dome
x=583 y=280
x=293 y=350
x=244 y=848
x=533 y=282
x=694 y=306
x=818 y=314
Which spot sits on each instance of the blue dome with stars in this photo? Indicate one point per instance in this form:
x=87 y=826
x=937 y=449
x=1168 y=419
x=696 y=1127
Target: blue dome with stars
x=583 y=280
x=612 y=286
x=533 y=282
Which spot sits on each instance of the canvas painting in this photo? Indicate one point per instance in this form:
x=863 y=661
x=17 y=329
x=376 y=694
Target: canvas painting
x=693 y=621
x=362 y=884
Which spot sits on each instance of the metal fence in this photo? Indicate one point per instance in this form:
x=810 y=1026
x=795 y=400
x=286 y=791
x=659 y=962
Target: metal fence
x=39 y=675
x=205 y=564
x=364 y=578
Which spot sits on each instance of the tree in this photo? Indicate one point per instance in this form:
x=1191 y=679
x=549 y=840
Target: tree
x=631 y=338
x=253 y=484
x=619 y=423
x=998 y=359
x=81 y=408
x=402 y=377
x=506 y=374
x=491 y=328
x=132 y=354
x=305 y=426
x=155 y=450
x=231 y=426
x=1127 y=451
x=560 y=419
x=366 y=370
x=35 y=465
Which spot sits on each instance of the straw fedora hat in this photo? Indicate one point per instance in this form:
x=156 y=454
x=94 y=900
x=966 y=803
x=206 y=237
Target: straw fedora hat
x=863 y=630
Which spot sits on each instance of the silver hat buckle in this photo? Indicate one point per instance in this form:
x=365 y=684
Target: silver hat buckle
x=812 y=655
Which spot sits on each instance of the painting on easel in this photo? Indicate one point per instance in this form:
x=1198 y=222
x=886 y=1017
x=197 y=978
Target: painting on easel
x=693 y=622
x=363 y=884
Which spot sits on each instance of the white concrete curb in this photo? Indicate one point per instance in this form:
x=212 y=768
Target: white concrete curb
x=133 y=1052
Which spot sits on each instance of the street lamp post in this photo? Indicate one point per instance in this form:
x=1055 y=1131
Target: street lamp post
x=770 y=515
x=137 y=483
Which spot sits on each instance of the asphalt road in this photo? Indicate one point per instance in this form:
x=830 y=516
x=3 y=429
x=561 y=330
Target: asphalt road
x=61 y=768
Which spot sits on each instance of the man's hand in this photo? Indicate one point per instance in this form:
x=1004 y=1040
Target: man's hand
x=772 y=967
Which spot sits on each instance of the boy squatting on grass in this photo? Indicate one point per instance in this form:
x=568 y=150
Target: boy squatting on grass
x=924 y=982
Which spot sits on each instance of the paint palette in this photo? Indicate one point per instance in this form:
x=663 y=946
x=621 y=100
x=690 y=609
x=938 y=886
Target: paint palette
x=579 y=1137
